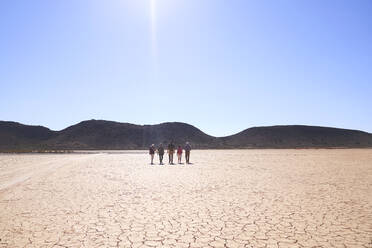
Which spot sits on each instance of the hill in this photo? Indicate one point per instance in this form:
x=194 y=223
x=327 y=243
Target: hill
x=19 y=137
x=298 y=136
x=100 y=134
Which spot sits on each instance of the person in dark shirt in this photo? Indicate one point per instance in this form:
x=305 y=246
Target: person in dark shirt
x=152 y=153
x=187 y=152
x=171 y=148
x=161 y=153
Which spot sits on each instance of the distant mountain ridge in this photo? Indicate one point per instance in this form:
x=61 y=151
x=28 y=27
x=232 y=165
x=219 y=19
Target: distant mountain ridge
x=102 y=135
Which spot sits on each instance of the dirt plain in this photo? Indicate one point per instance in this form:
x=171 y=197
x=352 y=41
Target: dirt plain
x=226 y=198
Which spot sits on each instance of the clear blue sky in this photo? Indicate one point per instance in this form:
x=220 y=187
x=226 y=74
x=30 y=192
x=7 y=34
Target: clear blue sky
x=222 y=66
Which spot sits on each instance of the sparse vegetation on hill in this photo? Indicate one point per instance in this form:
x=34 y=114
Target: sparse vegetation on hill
x=100 y=134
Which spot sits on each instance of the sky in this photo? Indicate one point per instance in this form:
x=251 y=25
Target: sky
x=222 y=66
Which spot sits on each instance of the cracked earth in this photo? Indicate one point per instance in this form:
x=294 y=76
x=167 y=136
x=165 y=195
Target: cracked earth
x=229 y=198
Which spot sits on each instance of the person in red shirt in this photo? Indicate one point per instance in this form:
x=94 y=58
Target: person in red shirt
x=179 y=154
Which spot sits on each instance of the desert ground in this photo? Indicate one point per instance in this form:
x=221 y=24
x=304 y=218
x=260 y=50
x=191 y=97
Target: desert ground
x=226 y=198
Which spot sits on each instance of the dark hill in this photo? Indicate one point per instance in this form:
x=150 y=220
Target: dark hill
x=97 y=134
x=179 y=133
x=100 y=134
x=16 y=136
x=298 y=137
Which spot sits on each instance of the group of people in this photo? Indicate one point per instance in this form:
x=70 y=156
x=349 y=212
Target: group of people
x=171 y=150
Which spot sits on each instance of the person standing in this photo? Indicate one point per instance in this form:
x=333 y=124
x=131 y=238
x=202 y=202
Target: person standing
x=171 y=152
x=187 y=152
x=152 y=153
x=161 y=153
x=179 y=154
